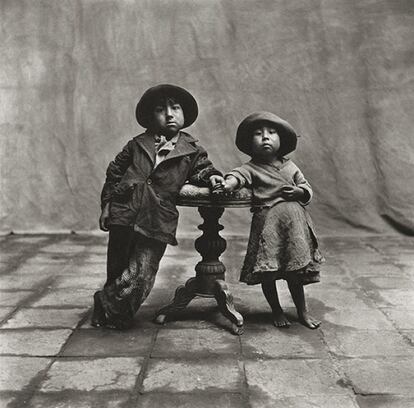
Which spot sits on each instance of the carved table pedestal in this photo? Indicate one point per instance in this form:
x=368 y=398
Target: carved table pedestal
x=209 y=279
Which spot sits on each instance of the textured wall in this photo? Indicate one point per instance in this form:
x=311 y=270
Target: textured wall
x=340 y=71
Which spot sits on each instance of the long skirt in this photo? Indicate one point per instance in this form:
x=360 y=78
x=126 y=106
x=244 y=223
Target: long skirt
x=282 y=245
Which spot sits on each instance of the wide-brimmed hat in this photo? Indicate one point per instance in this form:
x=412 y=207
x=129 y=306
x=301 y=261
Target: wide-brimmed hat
x=144 y=111
x=288 y=136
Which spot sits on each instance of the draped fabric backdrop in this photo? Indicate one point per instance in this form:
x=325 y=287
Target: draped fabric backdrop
x=340 y=71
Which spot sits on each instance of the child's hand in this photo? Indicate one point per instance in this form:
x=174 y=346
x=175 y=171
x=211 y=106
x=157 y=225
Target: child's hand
x=104 y=218
x=230 y=184
x=292 y=193
x=216 y=184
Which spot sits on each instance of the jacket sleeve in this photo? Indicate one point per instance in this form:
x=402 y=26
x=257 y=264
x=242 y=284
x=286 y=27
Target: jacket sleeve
x=202 y=169
x=301 y=182
x=115 y=171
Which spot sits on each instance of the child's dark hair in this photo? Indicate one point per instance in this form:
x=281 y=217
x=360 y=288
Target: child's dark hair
x=163 y=100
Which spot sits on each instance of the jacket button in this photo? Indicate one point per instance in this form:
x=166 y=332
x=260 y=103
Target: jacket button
x=149 y=181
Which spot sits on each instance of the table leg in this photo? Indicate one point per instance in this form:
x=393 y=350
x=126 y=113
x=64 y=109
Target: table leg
x=209 y=279
x=183 y=296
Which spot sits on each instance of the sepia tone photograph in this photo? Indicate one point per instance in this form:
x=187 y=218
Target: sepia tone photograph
x=206 y=203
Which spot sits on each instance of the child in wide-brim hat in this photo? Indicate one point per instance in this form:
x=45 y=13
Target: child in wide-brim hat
x=282 y=242
x=145 y=107
x=287 y=134
x=138 y=200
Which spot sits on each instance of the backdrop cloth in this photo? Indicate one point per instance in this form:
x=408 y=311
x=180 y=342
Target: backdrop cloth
x=341 y=72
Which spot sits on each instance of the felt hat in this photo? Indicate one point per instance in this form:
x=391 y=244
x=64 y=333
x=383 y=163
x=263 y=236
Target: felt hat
x=288 y=136
x=144 y=111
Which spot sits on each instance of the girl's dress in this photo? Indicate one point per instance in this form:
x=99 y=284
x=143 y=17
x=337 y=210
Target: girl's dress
x=282 y=242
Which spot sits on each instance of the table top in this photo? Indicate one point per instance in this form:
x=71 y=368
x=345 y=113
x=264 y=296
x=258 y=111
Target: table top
x=193 y=196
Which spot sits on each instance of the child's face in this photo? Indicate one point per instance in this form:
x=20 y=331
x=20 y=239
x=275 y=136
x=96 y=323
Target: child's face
x=265 y=141
x=168 y=117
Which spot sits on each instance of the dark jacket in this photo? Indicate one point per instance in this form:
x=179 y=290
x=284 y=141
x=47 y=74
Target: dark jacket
x=144 y=197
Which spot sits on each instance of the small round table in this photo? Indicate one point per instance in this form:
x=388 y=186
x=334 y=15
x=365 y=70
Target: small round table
x=209 y=280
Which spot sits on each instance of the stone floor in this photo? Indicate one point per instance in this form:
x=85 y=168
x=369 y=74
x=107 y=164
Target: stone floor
x=362 y=356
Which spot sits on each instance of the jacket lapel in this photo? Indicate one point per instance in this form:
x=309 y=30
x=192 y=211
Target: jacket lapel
x=147 y=143
x=182 y=148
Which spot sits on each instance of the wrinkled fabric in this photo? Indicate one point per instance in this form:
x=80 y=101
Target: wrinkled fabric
x=122 y=298
x=282 y=245
x=163 y=147
x=120 y=241
x=266 y=179
x=143 y=195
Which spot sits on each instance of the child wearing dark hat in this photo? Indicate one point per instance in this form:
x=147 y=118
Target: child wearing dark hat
x=282 y=242
x=139 y=196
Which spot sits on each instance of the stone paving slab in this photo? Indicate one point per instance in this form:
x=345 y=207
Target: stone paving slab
x=402 y=318
x=194 y=343
x=91 y=269
x=97 y=249
x=355 y=258
x=401 y=258
x=373 y=269
x=33 y=342
x=353 y=319
x=385 y=376
x=341 y=298
x=312 y=401
x=22 y=282
x=365 y=343
x=13 y=298
x=5 y=401
x=408 y=270
x=343 y=282
x=4 y=312
x=395 y=297
x=67 y=399
x=100 y=374
x=43 y=259
x=26 y=268
x=294 y=342
x=90 y=258
x=11 y=255
x=64 y=297
x=293 y=378
x=385 y=282
x=38 y=317
x=194 y=400
x=79 y=282
x=211 y=375
x=384 y=401
x=17 y=372
x=106 y=342
x=409 y=335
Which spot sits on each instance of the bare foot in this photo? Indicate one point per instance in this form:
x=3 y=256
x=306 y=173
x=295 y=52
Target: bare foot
x=280 y=320
x=309 y=321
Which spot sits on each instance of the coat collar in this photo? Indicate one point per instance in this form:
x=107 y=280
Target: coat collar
x=183 y=147
x=146 y=142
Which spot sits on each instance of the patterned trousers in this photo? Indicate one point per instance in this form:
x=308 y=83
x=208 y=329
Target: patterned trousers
x=122 y=298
